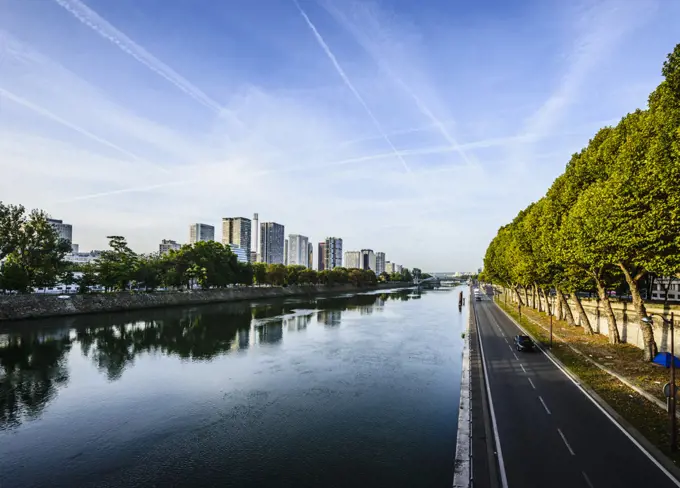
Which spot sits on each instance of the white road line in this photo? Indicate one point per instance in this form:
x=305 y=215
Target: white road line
x=601 y=408
x=531 y=383
x=515 y=356
x=590 y=484
x=566 y=443
x=545 y=406
x=510 y=347
x=501 y=463
x=522 y=366
x=506 y=340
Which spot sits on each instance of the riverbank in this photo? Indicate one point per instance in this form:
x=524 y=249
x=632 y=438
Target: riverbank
x=21 y=307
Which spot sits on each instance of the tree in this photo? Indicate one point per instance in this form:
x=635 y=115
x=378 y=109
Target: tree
x=12 y=219
x=260 y=273
x=116 y=267
x=13 y=277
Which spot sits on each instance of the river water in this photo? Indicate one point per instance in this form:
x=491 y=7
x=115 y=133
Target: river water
x=347 y=391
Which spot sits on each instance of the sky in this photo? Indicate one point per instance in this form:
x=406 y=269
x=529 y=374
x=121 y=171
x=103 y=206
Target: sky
x=412 y=128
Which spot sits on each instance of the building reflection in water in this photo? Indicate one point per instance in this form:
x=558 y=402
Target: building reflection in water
x=34 y=357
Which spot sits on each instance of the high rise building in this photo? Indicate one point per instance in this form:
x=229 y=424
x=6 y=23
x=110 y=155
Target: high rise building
x=333 y=253
x=201 y=232
x=298 y=252
x=367 y=259
x=271 y=242
x=236 y=232
x=253 y=256
x=389 y=267
x=241 y=254
x=398 y=268
x=379 y=262
x=321 y=256
x=310 y=255
x=256 y=239
x=285 y=252
x=64 y=231
x=353 y=259
x=168 y=245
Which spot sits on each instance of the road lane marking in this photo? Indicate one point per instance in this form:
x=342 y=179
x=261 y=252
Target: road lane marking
x=590 y=484
x=531 y=383
x=598 y=406
x=510 y=347
x=522 y=366
x=566 y=443
x=515 y=356
x=506 y=340
x=494 y=424
x=545 y=406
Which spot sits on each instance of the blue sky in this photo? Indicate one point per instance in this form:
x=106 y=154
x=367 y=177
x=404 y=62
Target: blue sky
x=413 y=128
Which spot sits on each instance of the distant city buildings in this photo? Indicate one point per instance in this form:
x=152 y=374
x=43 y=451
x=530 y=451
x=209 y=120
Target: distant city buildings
x=368 y=259
x=82 y=257
x=310 y=255
x=64 y=231
x=167 y=245
x=398 y=268
x=236 y=232
x=379 y=263
x=393 y=267
x=298 y=250
x=333 y=253
x=285 y=252
x=321 y=256
x=201 y=232
x=253 y=256
x=271 y=243
x=352 y=259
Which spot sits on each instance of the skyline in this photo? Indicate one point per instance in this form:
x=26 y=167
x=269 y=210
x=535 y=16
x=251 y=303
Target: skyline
x=416 y=131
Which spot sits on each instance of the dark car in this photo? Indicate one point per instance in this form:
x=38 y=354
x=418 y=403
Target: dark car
x=524 y=343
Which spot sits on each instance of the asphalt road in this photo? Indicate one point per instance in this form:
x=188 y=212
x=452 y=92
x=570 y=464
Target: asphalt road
x=551 y=434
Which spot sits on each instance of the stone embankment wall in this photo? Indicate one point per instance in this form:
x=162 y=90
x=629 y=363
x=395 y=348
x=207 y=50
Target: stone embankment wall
x=627 y=321
x=15 y=307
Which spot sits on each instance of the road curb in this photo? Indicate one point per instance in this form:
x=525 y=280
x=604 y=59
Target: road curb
x=622 y=423
x=462 y=465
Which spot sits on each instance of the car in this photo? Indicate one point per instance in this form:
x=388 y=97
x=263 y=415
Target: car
x=524 y=343
x=478 y=298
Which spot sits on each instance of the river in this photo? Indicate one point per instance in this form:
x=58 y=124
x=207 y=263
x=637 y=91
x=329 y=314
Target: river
x=346 y=391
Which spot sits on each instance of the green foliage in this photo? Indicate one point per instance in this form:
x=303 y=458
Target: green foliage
x=612 y=217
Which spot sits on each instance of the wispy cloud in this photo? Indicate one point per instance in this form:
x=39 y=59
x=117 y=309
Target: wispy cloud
x=349 y=84
x=368 y=30
x=80 y=130
x=102 y=27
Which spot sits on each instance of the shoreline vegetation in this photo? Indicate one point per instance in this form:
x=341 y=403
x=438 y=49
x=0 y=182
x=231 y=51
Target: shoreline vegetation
x=609 y=223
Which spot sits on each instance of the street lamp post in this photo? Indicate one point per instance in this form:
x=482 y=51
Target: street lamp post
x=551 y=320
x=672 y=397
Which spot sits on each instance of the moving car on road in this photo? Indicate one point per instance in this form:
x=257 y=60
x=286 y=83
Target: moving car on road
x=524 y=343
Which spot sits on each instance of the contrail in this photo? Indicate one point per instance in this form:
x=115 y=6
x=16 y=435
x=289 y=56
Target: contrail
x=371 y=50
x=94 y=21
x=46 y=113
x=349 y=84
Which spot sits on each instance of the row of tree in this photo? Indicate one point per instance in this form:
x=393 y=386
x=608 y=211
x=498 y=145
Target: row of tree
x=33 y=257
x=612 y=216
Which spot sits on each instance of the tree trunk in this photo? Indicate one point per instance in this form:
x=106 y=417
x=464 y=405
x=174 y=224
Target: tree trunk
x=526 y=295
x=650 y=348
x=614 y=337
x=585 y=322
x=566 y=311
x=539 y=299
x=519 y=297
x=547 y=302
x=558 y=308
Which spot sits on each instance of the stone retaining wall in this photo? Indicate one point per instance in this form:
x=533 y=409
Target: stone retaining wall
x=16 y=307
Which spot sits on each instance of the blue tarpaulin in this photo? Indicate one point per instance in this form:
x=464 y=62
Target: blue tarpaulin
x=664 y=359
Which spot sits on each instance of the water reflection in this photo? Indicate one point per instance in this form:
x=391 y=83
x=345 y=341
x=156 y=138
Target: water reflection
x=33 y=355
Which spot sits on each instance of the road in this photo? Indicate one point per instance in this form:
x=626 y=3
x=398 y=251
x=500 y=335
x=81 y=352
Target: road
x=550 y=432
